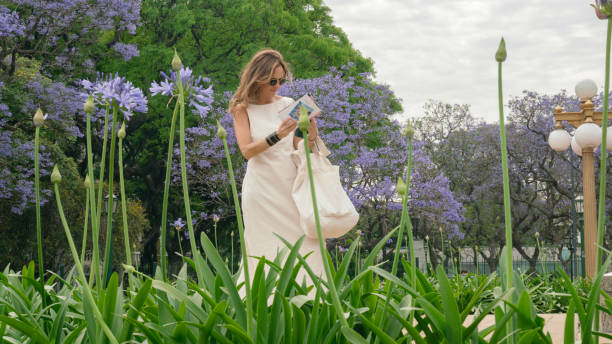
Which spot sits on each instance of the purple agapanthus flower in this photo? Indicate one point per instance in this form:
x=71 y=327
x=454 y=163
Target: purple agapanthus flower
x=198 y=96
x=109 y=88
x=178 y=224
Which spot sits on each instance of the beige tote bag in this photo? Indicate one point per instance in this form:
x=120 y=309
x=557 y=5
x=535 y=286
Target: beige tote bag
x=337 y=213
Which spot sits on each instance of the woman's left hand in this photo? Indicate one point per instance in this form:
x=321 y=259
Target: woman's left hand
x=313 y=131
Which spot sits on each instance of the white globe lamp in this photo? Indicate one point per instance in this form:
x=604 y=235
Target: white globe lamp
x=586 y=89
x=576 y=147
x=588 y=135
x=559 y=140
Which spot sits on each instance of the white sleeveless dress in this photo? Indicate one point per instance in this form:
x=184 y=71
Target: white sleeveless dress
x=267 y=204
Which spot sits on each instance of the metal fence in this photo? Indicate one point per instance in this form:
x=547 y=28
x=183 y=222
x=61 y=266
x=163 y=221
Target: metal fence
x=520 y=265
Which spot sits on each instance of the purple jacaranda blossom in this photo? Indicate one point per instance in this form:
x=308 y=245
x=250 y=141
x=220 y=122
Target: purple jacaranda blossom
x=127 y=51
x=4 y=109
x=197 y=95
x=116 y=90
x=10 y=24
x=67 y=27
x=178 y=224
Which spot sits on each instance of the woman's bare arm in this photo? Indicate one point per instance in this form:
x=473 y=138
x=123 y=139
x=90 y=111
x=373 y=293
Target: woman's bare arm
x=248 y=147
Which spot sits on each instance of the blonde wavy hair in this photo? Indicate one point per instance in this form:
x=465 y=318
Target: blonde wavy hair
x=257 y=72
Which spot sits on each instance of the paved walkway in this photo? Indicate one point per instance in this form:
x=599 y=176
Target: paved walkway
x=555 y=324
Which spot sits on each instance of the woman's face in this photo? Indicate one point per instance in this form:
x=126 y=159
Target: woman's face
x=268 y=91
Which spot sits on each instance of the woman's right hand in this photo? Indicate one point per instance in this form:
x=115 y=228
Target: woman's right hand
x=287 y=127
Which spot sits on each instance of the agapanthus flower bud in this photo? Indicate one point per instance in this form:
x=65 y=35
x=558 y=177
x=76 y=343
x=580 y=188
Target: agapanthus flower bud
x=359 y=232
x=427 y=237
x=39 y=119
x=177 y=64
x=56 y=177
x=400 y=187
x=537 y=235
x=232 y=234
x=216 y=218
x=121 y=132
x=89 y=105
x=128 y=268
x=409 y=131
x=221 y=133
x=304 y=121
x=603 y=9
x=500 y=55
x=87 y=182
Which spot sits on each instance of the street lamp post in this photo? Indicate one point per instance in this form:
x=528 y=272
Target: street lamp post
x=586 y=139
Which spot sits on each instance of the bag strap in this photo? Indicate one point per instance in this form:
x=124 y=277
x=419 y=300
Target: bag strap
x=321 y=149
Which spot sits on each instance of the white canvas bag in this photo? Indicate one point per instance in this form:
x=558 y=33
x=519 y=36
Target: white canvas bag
x=337 y=214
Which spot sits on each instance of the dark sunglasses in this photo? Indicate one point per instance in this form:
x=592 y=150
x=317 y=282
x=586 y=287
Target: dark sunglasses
x=273 y=82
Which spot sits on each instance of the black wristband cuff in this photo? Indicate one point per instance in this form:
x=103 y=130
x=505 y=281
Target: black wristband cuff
x=272 y=139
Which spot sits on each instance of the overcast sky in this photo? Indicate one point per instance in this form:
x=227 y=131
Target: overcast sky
x=444 y=50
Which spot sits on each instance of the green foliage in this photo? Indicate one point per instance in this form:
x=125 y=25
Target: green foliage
x=217 y=37
x=548 y=292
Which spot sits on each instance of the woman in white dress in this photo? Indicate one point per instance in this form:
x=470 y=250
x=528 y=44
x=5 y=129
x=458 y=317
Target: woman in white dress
x=267 y=142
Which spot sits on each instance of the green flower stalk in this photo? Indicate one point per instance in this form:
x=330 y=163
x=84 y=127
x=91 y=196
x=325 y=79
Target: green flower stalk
x=108 y=264
x=38 y=121
x=603 y=10
x=500 y=56
x=303 y=124
x=85 y=226
x=102 y=164
x=126 y=236
x=89 y=107
x=222 y=134
x=601 y=215
x=476 y=259
x=162 y=245
x=56 y=178
x=178 y=235
x=429 y=266
x=192 y=239
x=215 y=221
x=358 y=255
x=442 y=246
x=402 y=189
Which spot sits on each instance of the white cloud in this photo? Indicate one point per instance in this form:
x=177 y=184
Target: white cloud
x=444 y=50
